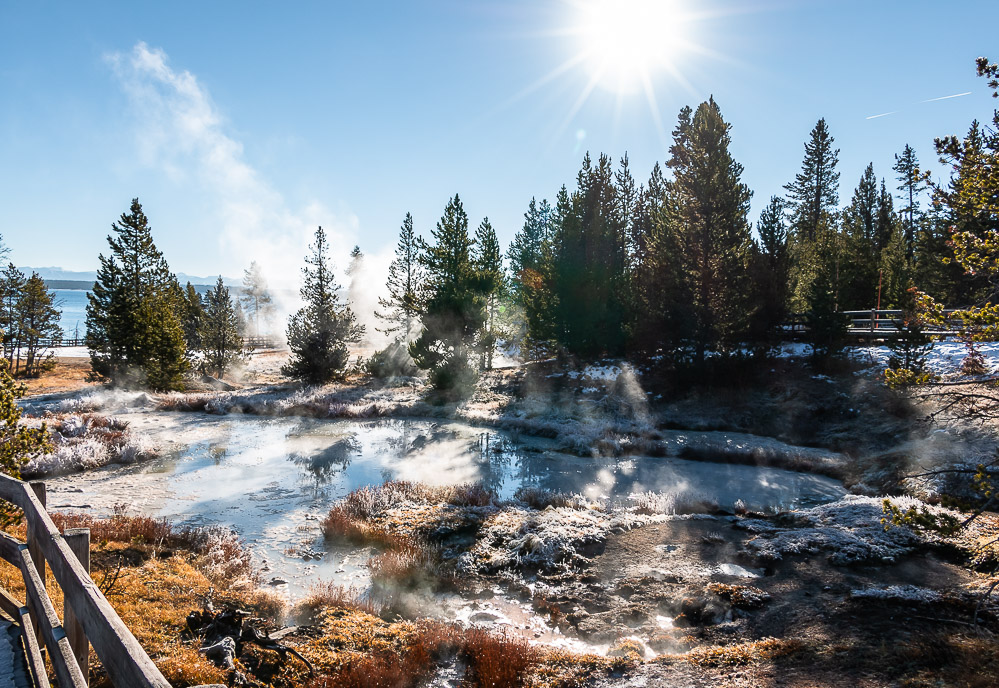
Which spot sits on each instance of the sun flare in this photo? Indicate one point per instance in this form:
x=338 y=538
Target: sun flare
x=627 y=42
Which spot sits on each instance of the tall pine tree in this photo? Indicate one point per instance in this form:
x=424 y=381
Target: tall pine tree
x=455 y=308
x=134 y=332
x=320 y=332
x=256 y=298
x=489 y=263
x=221 y=342
x=812 y=200
x=712 y=205
x=400 y=311
x=911 y=184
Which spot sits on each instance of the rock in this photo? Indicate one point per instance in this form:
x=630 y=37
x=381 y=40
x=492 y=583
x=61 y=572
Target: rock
x=483 y=618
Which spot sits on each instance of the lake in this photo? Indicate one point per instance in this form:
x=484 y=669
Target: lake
x=73 y=305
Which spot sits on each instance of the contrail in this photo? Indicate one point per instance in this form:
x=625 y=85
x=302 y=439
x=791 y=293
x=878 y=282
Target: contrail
x=956 y=95
x=883 y=114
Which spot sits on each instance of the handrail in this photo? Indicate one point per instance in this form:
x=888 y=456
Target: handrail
x=126 y=663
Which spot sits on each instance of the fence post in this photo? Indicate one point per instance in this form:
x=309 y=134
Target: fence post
x=37 y=556
x=78 y=540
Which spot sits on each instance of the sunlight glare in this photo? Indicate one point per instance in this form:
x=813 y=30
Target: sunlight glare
x=628 y=41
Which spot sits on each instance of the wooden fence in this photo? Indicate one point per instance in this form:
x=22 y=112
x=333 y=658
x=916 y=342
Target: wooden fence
x=248 y=342
x=884 y=324
x=88 y=618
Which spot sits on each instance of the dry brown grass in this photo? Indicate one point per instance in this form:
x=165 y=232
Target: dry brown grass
x=326 y=594
x=738 y=654
x=66 y=375
x=119 y=527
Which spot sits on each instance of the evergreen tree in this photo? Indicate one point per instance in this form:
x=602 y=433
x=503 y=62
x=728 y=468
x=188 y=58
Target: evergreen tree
x=455 y=307
x=531 y=256
x=859 y=279
x=970 y=213
x=133 y=329
x=815 y=189
x=318 y=334
x=590 y=270
x=771 y=267
x=405 y=284
x=489 y=263
x=714 y=236
x=38 y=322
x=220 y=338
x=812 y=200
x=909 y=350
x=256 y=298
x=826 y=325
x=12 y=283
x=19 y=443
x=896 y=270
x=192 y=313
x=659 y=297
x=911 y=184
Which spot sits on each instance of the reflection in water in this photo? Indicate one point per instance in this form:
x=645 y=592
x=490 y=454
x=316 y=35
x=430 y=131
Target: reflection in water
x=274 y=478
x=324 y=463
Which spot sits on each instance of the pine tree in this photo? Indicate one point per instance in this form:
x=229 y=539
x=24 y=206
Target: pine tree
x=318 y=334
x=489 y=264
x=38 y=322
x=771 y=267
x=192 y=313
x=589 y=277
x=911 y=184
x=12 y=284
x=826 y=325
x=970 y=212
x=861 y=236
x=815 y=189
x=455 y=308
x=19 y=443
x=221 y=342
x=712 y=205
x=660 y=319
x=400 y=311
x=256 y=298
x=531 y=256
x=812 y=200
x=134 y=332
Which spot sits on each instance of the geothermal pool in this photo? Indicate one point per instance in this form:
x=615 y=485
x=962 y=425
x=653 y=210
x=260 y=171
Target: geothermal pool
x=273 y=479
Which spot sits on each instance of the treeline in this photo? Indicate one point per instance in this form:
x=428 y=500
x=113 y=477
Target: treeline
x=29 y=319
x=670 y=269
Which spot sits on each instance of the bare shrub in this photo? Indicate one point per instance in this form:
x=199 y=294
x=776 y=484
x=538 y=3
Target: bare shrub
x=540 y=499
x=498 y=661
x=325 y=594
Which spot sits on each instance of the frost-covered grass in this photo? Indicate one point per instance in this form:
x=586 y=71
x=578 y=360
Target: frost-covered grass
x=86 y=441
x=668 y=503
x=850 y=530
x=898 y=593
x=554 y=539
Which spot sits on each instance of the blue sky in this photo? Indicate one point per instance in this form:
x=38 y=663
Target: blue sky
x=240 y=126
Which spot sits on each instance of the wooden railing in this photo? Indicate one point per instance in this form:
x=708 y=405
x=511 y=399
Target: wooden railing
x=255 y=342
x=88 y=618
x=884 y=323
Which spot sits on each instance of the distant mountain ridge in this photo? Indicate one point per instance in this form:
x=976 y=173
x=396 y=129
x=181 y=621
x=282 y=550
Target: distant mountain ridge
x=85 y=280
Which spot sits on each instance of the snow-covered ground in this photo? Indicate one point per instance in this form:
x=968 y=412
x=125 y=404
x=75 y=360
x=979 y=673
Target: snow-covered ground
x=944 y=358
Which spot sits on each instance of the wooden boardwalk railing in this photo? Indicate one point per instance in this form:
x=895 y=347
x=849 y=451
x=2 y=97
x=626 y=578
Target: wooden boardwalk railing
x=88 y=618
x=248 y=342
x=883 y=324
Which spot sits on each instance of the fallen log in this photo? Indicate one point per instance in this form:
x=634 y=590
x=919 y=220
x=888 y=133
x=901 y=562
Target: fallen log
x=224 y=634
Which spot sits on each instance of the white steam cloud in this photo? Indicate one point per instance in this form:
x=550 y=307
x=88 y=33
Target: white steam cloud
x=180 y=131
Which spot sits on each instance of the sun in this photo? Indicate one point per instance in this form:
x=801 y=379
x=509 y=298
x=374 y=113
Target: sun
x=627 y=43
